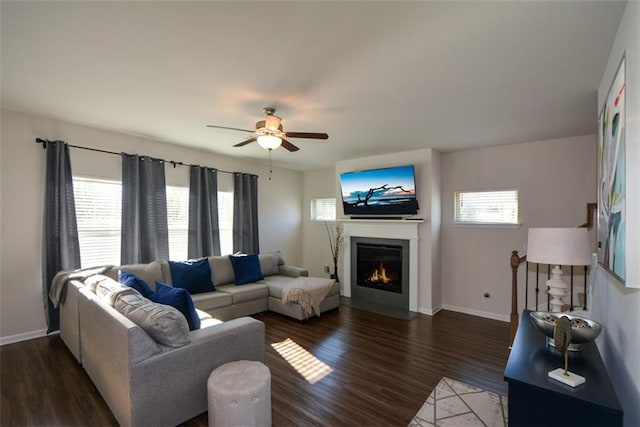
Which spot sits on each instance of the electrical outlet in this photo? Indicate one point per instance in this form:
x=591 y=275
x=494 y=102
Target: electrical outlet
x=326 y=269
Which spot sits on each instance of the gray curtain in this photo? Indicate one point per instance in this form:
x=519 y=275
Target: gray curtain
x=145 y=233
x=245 y=213
x=204 y=232
x=61 y=250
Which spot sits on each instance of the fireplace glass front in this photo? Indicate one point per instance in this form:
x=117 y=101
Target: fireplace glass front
x=379 y=267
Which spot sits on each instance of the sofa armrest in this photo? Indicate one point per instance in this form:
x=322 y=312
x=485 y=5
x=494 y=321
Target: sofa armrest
x=291 y=271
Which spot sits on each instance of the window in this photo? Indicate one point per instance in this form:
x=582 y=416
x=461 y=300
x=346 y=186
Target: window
x=323 y=209
x=178 y=221
x=98 y=213
x=98 y=210
x=486 y=207
x=225 y=221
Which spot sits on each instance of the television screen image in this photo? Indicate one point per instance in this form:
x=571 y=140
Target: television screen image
x=387 y=191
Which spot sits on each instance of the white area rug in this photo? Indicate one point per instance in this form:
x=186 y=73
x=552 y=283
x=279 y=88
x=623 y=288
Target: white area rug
x=453 y=403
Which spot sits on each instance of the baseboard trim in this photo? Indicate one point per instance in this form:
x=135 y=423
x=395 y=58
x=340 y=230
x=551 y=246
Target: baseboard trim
x=487 y=315
x=429 y=311
x=23 y=337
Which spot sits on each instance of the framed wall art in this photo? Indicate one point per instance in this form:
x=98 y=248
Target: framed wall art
x=612 y=215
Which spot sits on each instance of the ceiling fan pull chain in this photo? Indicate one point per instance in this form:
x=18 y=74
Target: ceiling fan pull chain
x=270 y=168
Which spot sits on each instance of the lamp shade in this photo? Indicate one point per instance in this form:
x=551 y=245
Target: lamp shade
x=559 y=246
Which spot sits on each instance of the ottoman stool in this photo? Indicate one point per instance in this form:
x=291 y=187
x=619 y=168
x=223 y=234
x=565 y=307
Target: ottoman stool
x=240 y=395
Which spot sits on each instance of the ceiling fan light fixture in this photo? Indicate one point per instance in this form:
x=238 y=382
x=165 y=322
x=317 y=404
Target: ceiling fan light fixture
x=269 y=142
x=272 y=123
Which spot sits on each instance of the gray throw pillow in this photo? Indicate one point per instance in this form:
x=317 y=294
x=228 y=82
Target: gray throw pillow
x=108 y=289
x=163 y=323
x=221 y=270
x=269 y=263
x=92 y=281
x=148 y=272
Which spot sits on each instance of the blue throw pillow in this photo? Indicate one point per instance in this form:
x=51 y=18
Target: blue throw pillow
x=179 y=299
x=194 y=276
x=135 y=282
x=246 y=268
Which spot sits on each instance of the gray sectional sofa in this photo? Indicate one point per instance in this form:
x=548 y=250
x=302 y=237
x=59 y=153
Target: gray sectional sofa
x=147 y=382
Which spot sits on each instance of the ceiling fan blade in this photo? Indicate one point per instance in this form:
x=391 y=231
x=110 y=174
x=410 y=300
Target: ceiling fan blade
x=311 y=135
x=225 y=127
x=248 y=141
x=288 y=146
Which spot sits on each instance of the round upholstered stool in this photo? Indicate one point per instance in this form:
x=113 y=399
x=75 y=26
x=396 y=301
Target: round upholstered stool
x=240 y=395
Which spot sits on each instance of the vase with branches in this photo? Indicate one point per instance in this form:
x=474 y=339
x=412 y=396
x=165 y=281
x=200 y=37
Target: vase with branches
x=335 y=244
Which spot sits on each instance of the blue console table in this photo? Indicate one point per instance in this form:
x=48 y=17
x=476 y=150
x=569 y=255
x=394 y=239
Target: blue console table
x=537 y=400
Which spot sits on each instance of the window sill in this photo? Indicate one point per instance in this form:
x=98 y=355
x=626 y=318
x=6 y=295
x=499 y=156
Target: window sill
x=486 y=225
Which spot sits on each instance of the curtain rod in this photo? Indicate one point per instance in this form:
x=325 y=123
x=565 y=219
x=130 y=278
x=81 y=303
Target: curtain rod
x=173 y=162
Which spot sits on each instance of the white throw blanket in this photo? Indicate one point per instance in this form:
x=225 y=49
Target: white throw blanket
x=58 y=289
x=309 y=292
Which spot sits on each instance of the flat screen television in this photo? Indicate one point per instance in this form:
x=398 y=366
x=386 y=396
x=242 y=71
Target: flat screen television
x=386 y=191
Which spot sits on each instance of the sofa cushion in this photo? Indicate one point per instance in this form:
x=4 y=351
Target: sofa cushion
x=108 y=290
x=246 y=268
x=194 y=276
x=269 y=263
x=135 y=282
x=163 y=323
x=179 y=299
x=148 y=272
x=248 y=292
x=212 y=300
x=221 y=270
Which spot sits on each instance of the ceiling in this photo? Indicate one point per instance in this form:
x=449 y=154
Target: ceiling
x=378 y=77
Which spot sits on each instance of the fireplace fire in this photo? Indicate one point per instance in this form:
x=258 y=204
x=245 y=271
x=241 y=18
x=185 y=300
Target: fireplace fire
x=379 y=275
x=379 y=266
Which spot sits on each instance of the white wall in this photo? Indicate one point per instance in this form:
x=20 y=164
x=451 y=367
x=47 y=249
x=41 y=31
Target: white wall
x=555 y=179
x=426 y=164
x=21 y=313
x=317 y=184
x=617 y=307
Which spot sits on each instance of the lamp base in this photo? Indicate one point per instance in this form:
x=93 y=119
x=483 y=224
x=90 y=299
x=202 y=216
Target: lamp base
x=557 y=289
x=572 y=379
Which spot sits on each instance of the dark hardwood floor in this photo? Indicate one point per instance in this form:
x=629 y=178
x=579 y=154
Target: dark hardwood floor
x=381 y=370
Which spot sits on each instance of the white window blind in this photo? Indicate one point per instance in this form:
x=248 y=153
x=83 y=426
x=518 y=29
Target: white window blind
x=98 y=210
x=225 y=221
x=98 y=213
x=486 y=207
x=178 y=222
x=323 y=209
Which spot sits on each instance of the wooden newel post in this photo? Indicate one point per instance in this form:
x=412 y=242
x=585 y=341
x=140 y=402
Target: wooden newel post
x=515 y=262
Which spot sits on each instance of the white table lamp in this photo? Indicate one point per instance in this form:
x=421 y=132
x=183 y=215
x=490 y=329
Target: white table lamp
x=558 y=246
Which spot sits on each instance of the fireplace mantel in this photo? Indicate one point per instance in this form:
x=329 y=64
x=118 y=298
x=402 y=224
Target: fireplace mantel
x=383 y=229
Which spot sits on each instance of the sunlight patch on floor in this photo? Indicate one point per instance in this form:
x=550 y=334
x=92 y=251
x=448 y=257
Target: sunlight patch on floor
x=310 y=367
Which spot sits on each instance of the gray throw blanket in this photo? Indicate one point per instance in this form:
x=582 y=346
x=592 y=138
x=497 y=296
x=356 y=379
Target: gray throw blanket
x=58 y=289
x=309 y=292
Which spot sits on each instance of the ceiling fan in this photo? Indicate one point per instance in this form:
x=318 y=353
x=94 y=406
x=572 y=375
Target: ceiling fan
x=269 y=133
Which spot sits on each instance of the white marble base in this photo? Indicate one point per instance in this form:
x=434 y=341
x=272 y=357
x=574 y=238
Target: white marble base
x=572 y=379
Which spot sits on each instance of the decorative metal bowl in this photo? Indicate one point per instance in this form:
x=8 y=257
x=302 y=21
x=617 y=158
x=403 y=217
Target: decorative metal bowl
x=582 y=330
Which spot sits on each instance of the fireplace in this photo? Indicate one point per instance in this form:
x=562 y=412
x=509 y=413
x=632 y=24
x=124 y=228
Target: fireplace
x=383 y=232
x=381 y=273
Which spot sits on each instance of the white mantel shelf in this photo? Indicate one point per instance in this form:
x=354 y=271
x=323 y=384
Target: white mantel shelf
x=382 y=228
x=402 y=229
